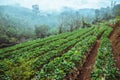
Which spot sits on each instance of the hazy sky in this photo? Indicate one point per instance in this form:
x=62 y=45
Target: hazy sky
x=58 y=4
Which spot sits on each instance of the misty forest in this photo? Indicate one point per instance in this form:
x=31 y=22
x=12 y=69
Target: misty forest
x=64 y=40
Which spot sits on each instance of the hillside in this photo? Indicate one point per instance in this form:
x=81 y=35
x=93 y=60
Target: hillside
x=28 y=18
x=84 y=54
x=59 y=40
x=17 y=24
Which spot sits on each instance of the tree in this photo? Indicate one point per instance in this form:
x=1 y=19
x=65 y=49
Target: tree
x=69 y=22
x=60 y=24
x=41 y=31
x=113 y=3
x=97 y=15
x=60 y=30
x=77 y=21
x=73 y=21
x=35 y=8
x=116 y=10
x=85 y=23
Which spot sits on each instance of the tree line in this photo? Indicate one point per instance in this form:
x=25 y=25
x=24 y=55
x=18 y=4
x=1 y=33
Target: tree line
x=12 y=33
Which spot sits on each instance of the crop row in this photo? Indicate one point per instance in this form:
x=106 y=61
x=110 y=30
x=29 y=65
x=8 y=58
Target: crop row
x=61 y=66
x=34 y=42
x=47 y=46
x=51 y=54
x=24 y=64
x=35 y=45
x=104 y=68
x=55 y=50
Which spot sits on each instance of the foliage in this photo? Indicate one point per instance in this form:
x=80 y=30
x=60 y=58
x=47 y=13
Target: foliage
x=41 y=31
x=31 y=56
x=116 y=10
x=104 y=67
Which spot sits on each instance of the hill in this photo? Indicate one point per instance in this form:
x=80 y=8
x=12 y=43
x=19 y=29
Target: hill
x=82 y=54
x=17 y=24
x=27 y=17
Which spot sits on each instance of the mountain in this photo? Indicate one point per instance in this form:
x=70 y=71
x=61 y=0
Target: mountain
x=17 y=24
x=29 y=18
x=26 y=16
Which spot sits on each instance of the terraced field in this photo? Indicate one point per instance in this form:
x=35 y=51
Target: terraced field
x=84 y=54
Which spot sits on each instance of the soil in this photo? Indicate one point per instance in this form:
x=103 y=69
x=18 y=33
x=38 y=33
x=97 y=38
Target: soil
x=83 y=72
x=88 y=65
x=115 y=42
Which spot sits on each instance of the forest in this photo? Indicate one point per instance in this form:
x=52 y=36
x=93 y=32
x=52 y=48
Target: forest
x=19 y=24
x=64 y=44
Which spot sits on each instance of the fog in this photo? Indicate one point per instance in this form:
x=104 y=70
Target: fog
x=24 y=20
x=47 y=5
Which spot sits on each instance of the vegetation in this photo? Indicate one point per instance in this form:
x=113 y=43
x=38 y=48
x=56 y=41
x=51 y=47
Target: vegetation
x=104 y=66
x=62 y=45
x=57 y=56
x=18 y=24
x=34 y=55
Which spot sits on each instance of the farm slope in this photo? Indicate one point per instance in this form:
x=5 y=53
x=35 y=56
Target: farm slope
x=85 y=54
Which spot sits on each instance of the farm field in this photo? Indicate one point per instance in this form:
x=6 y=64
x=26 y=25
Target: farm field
x=59 y=39
x=86 y=54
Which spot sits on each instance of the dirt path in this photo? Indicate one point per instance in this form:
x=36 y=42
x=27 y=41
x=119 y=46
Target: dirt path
x=115 y=41
x=88 y=66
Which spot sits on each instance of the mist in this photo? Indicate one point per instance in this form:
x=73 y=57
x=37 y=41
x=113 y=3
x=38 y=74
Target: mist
x=59 y=39
x=47 y=5
x=25 y=20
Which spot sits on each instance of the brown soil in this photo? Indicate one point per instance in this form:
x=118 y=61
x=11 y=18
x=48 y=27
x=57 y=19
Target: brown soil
x=82 y=72
x=115 y=41
x=88 y=65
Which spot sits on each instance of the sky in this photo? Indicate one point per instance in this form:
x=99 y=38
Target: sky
x=59 y=4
